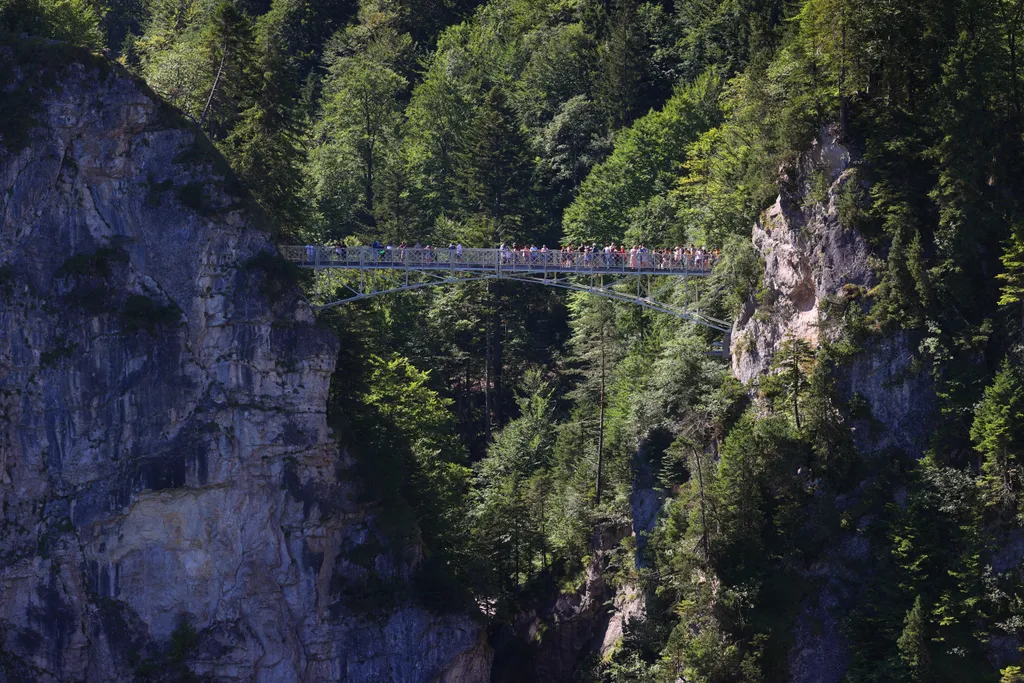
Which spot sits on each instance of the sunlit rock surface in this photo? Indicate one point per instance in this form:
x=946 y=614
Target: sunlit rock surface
x=814 y=263
x=809 y=255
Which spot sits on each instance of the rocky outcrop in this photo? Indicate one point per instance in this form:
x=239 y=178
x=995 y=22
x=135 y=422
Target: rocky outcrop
x=172 y=498
x=809 y=256
x=551 y=642
x=812 y=259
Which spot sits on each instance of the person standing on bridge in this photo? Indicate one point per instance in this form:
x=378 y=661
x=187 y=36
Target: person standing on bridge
x=309 y=253
x=458 y=252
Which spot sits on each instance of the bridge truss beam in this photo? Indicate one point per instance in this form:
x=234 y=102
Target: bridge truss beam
x=336 y=286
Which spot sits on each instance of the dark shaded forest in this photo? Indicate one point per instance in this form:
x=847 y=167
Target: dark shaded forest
x=499 y=425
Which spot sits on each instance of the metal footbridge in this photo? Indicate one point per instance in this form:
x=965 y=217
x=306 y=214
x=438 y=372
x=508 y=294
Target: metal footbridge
x=657 y=281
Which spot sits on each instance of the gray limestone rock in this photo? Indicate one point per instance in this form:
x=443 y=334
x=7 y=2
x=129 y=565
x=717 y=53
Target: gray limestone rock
x=164 y=450
x=812 y=258
x=808 y=254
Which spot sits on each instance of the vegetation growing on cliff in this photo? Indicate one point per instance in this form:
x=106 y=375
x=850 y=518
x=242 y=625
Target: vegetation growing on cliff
x=502 y=425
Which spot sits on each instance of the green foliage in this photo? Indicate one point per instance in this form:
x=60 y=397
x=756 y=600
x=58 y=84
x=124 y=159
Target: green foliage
x=354 y=165
x=539 y=121
x=648 y=158
x=73 y=21
x=1011 y=674
x=413 y=461
x=279 y=275
x=998 y=433
x=510 y=491
x=791 y=364
x=183 y=640
x=1012 y=292
x=265 y=144
x=913 y=644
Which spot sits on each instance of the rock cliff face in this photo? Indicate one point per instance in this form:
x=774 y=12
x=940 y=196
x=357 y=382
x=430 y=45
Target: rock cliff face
x=812 y=258
x=171 y=495
x=809 y=255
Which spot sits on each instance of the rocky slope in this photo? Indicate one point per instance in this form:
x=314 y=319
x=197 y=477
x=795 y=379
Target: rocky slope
x=172 y=498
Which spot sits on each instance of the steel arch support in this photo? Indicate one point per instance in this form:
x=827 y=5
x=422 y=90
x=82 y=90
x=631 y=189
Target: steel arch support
x=606 y=291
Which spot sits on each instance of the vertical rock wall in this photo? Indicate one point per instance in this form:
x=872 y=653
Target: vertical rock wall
x=165 y=460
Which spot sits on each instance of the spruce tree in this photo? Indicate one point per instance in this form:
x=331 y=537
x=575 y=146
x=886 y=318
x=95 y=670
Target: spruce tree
x=913 y=644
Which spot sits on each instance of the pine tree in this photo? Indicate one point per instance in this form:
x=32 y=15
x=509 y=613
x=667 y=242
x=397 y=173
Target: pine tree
x=622 y=65
x=264 y=145
x=74 y=21
x=229 y=41
x=913 y=645
x=357 y=135
x=1012 y=293
x=495 y=172
x=791 y=362
x=998 y=432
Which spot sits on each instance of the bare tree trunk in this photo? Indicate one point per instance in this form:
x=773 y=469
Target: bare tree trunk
x=469 y=397
x=497 y=356
x=796 y=396
x=487 y=369
x=516 y=525
x=600 y=432
x=703 y=506
x=216 y=82
x=844 y=102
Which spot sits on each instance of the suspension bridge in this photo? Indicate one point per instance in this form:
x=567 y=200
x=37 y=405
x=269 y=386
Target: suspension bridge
x=664 y=282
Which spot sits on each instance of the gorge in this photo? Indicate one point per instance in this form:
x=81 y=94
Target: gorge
x=204 y=476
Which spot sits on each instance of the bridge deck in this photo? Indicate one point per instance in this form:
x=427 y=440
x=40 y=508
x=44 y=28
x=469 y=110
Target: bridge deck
x=498 y=261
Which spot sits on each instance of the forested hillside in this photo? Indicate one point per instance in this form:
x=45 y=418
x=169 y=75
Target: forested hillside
x=509 y=428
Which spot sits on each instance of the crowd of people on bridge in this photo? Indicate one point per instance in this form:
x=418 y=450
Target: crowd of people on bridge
x=638 y=257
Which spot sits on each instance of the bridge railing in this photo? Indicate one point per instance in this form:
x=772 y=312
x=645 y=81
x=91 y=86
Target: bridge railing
x=341 y=256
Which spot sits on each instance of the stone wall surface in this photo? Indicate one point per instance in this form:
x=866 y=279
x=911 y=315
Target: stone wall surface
x=165 y=457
